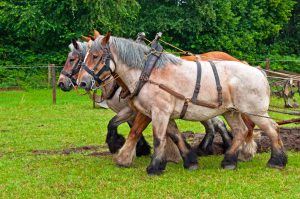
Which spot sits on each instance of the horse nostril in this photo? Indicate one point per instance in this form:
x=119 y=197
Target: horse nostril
x=61 y=84
x=82 y=84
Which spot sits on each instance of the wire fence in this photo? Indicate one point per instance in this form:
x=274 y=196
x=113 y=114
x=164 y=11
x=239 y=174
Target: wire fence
x=61 y=66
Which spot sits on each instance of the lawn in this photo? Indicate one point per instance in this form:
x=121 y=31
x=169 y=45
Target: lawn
x=29 y=122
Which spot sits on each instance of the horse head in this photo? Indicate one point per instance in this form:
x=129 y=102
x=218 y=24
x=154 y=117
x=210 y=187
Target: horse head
x=68 y=76
x=96 y=67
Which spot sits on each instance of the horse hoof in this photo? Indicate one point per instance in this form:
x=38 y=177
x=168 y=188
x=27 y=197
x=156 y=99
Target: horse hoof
x=193 y=167
x=152 y=171
x=229 y=161
x=229 y=167
x=278 y=160
x=274 y=166
x=121 y=162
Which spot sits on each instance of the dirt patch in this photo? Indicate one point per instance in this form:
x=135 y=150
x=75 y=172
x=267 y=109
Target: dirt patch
x=104 y=153
x=290 y=138
x=99 y=150
x=195 y=138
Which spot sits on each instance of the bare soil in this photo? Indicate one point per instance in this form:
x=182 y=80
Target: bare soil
x=98 y=150
x=290 y=138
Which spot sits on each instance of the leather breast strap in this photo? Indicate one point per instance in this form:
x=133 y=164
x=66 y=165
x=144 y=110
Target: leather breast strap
x=219 y=87
x=196 y=91
x=112 y=91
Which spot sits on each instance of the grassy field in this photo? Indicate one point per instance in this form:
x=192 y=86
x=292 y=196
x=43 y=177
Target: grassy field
x=29 y=122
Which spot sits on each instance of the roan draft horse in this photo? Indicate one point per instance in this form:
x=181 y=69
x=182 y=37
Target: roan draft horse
x=167 y=93
x=111 y=93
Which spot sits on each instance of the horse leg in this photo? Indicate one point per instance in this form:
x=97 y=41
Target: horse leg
x=142 y=146
x=127 y=152
x=239 y=130
x=220 y=127
x=249 y=147
x=114 y=140
x=158 y=161
x=206 y=145
x=278 y=157
x=287 y=103
x=188 y=155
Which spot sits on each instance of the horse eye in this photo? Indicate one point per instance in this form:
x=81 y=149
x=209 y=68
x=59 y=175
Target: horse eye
x=95 y=56
x=71 y=60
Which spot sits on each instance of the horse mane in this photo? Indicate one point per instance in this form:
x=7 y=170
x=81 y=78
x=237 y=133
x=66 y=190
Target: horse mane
x=83 y=47
x=133 y=54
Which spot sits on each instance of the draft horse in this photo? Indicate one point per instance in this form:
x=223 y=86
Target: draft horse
x=168 y=90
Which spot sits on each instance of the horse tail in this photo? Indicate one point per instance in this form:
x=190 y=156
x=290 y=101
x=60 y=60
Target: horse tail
x=249 y=147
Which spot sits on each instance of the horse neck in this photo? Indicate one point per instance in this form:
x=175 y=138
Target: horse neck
x=129 y=76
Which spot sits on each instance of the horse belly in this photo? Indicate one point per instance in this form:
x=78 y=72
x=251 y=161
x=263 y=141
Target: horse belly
x=196 y=113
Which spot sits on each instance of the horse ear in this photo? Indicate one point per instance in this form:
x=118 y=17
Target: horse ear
x=75 y=44
x=92 y=37
x=87 y=39
x=106 y=38
x=96 y=34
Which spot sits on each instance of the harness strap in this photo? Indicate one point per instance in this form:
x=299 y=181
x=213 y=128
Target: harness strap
x=196 y=91
x=182 y=97
x=112 y=91
x=219 y=87
x=150 y=63
x=198 y=82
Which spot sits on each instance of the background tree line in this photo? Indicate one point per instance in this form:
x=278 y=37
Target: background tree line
x=39 y=31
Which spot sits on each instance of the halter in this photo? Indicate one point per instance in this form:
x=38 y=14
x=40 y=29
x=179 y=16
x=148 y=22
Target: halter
x=75 y=69
x=107 y=57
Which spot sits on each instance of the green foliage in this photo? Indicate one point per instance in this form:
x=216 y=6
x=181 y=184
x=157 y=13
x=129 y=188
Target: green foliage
x=38 y=32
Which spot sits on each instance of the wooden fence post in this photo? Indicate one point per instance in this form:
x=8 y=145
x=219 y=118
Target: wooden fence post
x=94 y=98
x=267 y=65
x=49 y=75
x=53 y=76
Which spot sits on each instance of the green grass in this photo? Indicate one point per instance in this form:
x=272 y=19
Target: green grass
x=28 y=121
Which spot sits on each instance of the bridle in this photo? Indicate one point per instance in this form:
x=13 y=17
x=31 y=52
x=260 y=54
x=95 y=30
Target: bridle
x=106 y=58
x=75 y=69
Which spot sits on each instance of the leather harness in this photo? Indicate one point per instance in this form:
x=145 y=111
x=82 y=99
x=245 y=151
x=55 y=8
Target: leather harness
x=194 y=99
x=153 y=57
